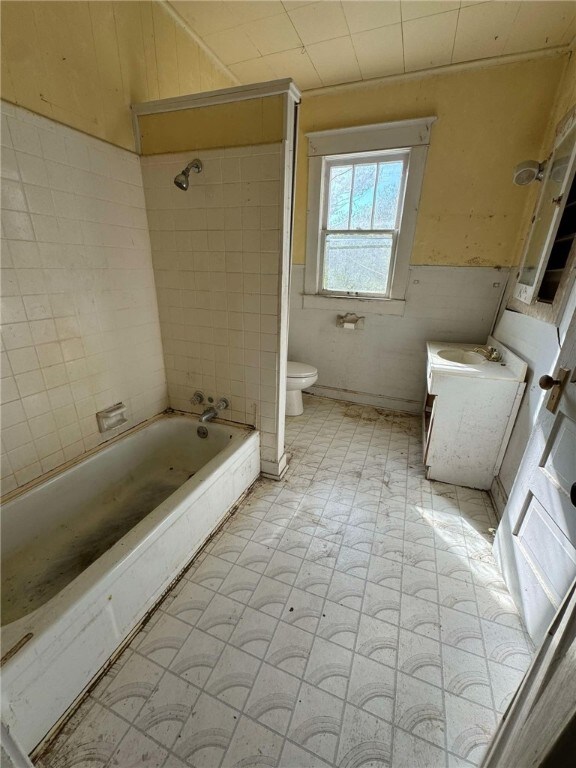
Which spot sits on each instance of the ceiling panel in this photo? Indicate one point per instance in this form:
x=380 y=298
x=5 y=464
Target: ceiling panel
x=418 y=9
x=362 y=15
x=273 y=34
x=481 y=35
x=319 y=21
x=330 y=42
x=335 y=61
x=429 y=40
x=379 y=51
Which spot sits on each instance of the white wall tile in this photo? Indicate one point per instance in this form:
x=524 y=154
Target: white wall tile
x=210 y=276
x=79 y=314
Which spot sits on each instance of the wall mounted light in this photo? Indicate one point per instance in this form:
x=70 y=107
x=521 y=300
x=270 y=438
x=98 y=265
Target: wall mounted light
x=528 y=171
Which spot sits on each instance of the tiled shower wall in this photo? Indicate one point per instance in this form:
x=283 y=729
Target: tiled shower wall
x=216 y=254
x=80 y=326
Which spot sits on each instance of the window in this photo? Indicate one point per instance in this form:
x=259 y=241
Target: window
x=364 y=189
x=362 y=209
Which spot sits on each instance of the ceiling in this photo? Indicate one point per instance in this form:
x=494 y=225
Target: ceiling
x=329 y=42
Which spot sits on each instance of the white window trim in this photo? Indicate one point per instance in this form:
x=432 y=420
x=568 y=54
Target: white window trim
x=413 y=135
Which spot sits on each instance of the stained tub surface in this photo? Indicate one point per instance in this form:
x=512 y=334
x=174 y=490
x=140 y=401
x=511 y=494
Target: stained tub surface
x=88 y=552
x=53 y=533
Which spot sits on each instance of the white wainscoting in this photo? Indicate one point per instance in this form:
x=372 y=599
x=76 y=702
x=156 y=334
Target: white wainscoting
x=385 y=363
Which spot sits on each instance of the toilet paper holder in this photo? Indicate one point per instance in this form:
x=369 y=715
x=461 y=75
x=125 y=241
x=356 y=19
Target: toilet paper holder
x=351 y=321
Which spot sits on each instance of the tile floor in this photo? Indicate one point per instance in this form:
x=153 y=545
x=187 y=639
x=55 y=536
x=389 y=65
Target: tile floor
x=350 y=615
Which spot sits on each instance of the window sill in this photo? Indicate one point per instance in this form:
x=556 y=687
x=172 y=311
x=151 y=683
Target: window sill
x=353 y=304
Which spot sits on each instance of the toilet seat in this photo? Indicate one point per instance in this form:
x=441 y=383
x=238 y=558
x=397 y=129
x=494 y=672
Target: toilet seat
x=300 y=370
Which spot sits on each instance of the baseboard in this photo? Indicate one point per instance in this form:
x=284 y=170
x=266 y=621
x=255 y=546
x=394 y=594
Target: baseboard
x=366 y=398
x=274 y=470
x=499 y=497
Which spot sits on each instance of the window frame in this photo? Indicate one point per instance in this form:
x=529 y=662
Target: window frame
x=411 y=137
x=356 y=158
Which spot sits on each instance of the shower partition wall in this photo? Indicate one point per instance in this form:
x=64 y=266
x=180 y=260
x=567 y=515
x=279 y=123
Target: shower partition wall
x=218 y=172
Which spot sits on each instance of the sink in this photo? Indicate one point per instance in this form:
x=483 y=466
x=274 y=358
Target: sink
x=461 y=356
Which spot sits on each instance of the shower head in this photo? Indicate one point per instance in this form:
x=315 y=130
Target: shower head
x=181 y=180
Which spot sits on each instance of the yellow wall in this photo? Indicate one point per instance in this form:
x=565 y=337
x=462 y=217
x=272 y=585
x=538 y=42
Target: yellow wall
x=489 y=119
x=236 y=124
x=84 y=63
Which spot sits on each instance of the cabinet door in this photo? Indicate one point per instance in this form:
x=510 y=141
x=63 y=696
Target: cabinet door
x=557 y=180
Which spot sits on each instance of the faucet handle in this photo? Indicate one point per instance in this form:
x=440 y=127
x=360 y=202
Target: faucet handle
x=222 y=404
x=197 y=398
x=495 y=354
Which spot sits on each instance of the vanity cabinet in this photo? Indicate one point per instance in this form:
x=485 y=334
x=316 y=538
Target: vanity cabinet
x=469 y=412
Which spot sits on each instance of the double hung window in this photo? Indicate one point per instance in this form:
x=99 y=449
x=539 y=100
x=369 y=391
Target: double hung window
x=361 y=215
x=363 y=195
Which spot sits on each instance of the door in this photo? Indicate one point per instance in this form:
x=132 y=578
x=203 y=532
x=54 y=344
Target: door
x=536 y=540
x=537 y=730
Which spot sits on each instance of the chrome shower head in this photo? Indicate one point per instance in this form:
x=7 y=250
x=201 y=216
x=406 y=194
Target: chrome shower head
x=181 y=180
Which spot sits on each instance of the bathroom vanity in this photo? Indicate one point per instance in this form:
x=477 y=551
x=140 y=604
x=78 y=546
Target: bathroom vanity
x=469 y=411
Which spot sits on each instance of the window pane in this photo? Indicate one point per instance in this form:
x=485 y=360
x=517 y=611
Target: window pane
x=339 y=196
x=363 y=196
x=387 y=194
x=357 y=263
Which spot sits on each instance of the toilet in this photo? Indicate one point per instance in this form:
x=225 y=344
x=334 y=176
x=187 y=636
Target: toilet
x=299 y=376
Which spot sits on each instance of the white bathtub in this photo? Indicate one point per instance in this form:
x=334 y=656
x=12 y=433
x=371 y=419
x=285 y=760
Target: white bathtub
x=81 y=602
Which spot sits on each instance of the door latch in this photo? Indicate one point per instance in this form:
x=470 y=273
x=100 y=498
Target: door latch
x=555 y=386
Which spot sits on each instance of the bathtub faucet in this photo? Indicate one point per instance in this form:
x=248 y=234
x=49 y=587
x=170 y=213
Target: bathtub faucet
x=212 y=412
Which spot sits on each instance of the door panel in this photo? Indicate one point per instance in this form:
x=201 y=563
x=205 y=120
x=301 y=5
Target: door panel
x=557 y=461
x=547 y=550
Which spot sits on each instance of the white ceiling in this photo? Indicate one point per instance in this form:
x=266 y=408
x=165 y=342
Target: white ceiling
x=329 y=42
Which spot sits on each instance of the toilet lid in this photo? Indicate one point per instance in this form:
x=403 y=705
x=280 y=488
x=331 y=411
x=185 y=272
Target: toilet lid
x=300 y=370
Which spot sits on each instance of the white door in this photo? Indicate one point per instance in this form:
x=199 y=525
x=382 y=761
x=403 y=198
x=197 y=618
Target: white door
x=536 y=540
x=537 y=728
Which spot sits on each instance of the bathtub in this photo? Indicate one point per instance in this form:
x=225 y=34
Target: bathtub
x=88 y=552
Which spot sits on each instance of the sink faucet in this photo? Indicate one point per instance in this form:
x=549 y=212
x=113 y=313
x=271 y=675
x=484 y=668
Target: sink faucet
x=490 y=353
x=212 y=412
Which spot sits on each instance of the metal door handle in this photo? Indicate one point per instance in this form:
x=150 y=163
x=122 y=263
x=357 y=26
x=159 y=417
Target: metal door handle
x=547 y=382
x=555 y=386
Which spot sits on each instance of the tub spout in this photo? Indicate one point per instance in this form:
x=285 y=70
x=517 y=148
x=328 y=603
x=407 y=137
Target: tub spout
x=208 y=415
x=211 y=413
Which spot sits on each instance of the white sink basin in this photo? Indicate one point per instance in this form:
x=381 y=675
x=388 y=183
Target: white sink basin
x=461 y=356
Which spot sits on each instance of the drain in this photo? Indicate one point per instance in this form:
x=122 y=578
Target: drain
x=202 y=432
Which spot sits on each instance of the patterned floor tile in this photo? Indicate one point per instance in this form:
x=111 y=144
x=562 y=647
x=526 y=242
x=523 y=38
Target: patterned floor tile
x=131 y=687
x=372 y=687
x=233 y=676
x=273 y=698
x=469 y=728
x=167 y=709
x=136 y=749
x=329 y=667
x=253 y=632
x=316 y=722
x=420 y=709
x=412 y=752
x=207 y=733
x=290 y=649
x=365 y=740
x=420 y=657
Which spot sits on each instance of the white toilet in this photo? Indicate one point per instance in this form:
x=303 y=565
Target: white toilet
x=299 y=376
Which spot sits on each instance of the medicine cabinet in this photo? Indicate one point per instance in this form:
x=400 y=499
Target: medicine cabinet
x=547 y=270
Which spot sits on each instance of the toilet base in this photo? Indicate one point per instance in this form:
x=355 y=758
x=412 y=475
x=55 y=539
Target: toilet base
x=294 y=404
